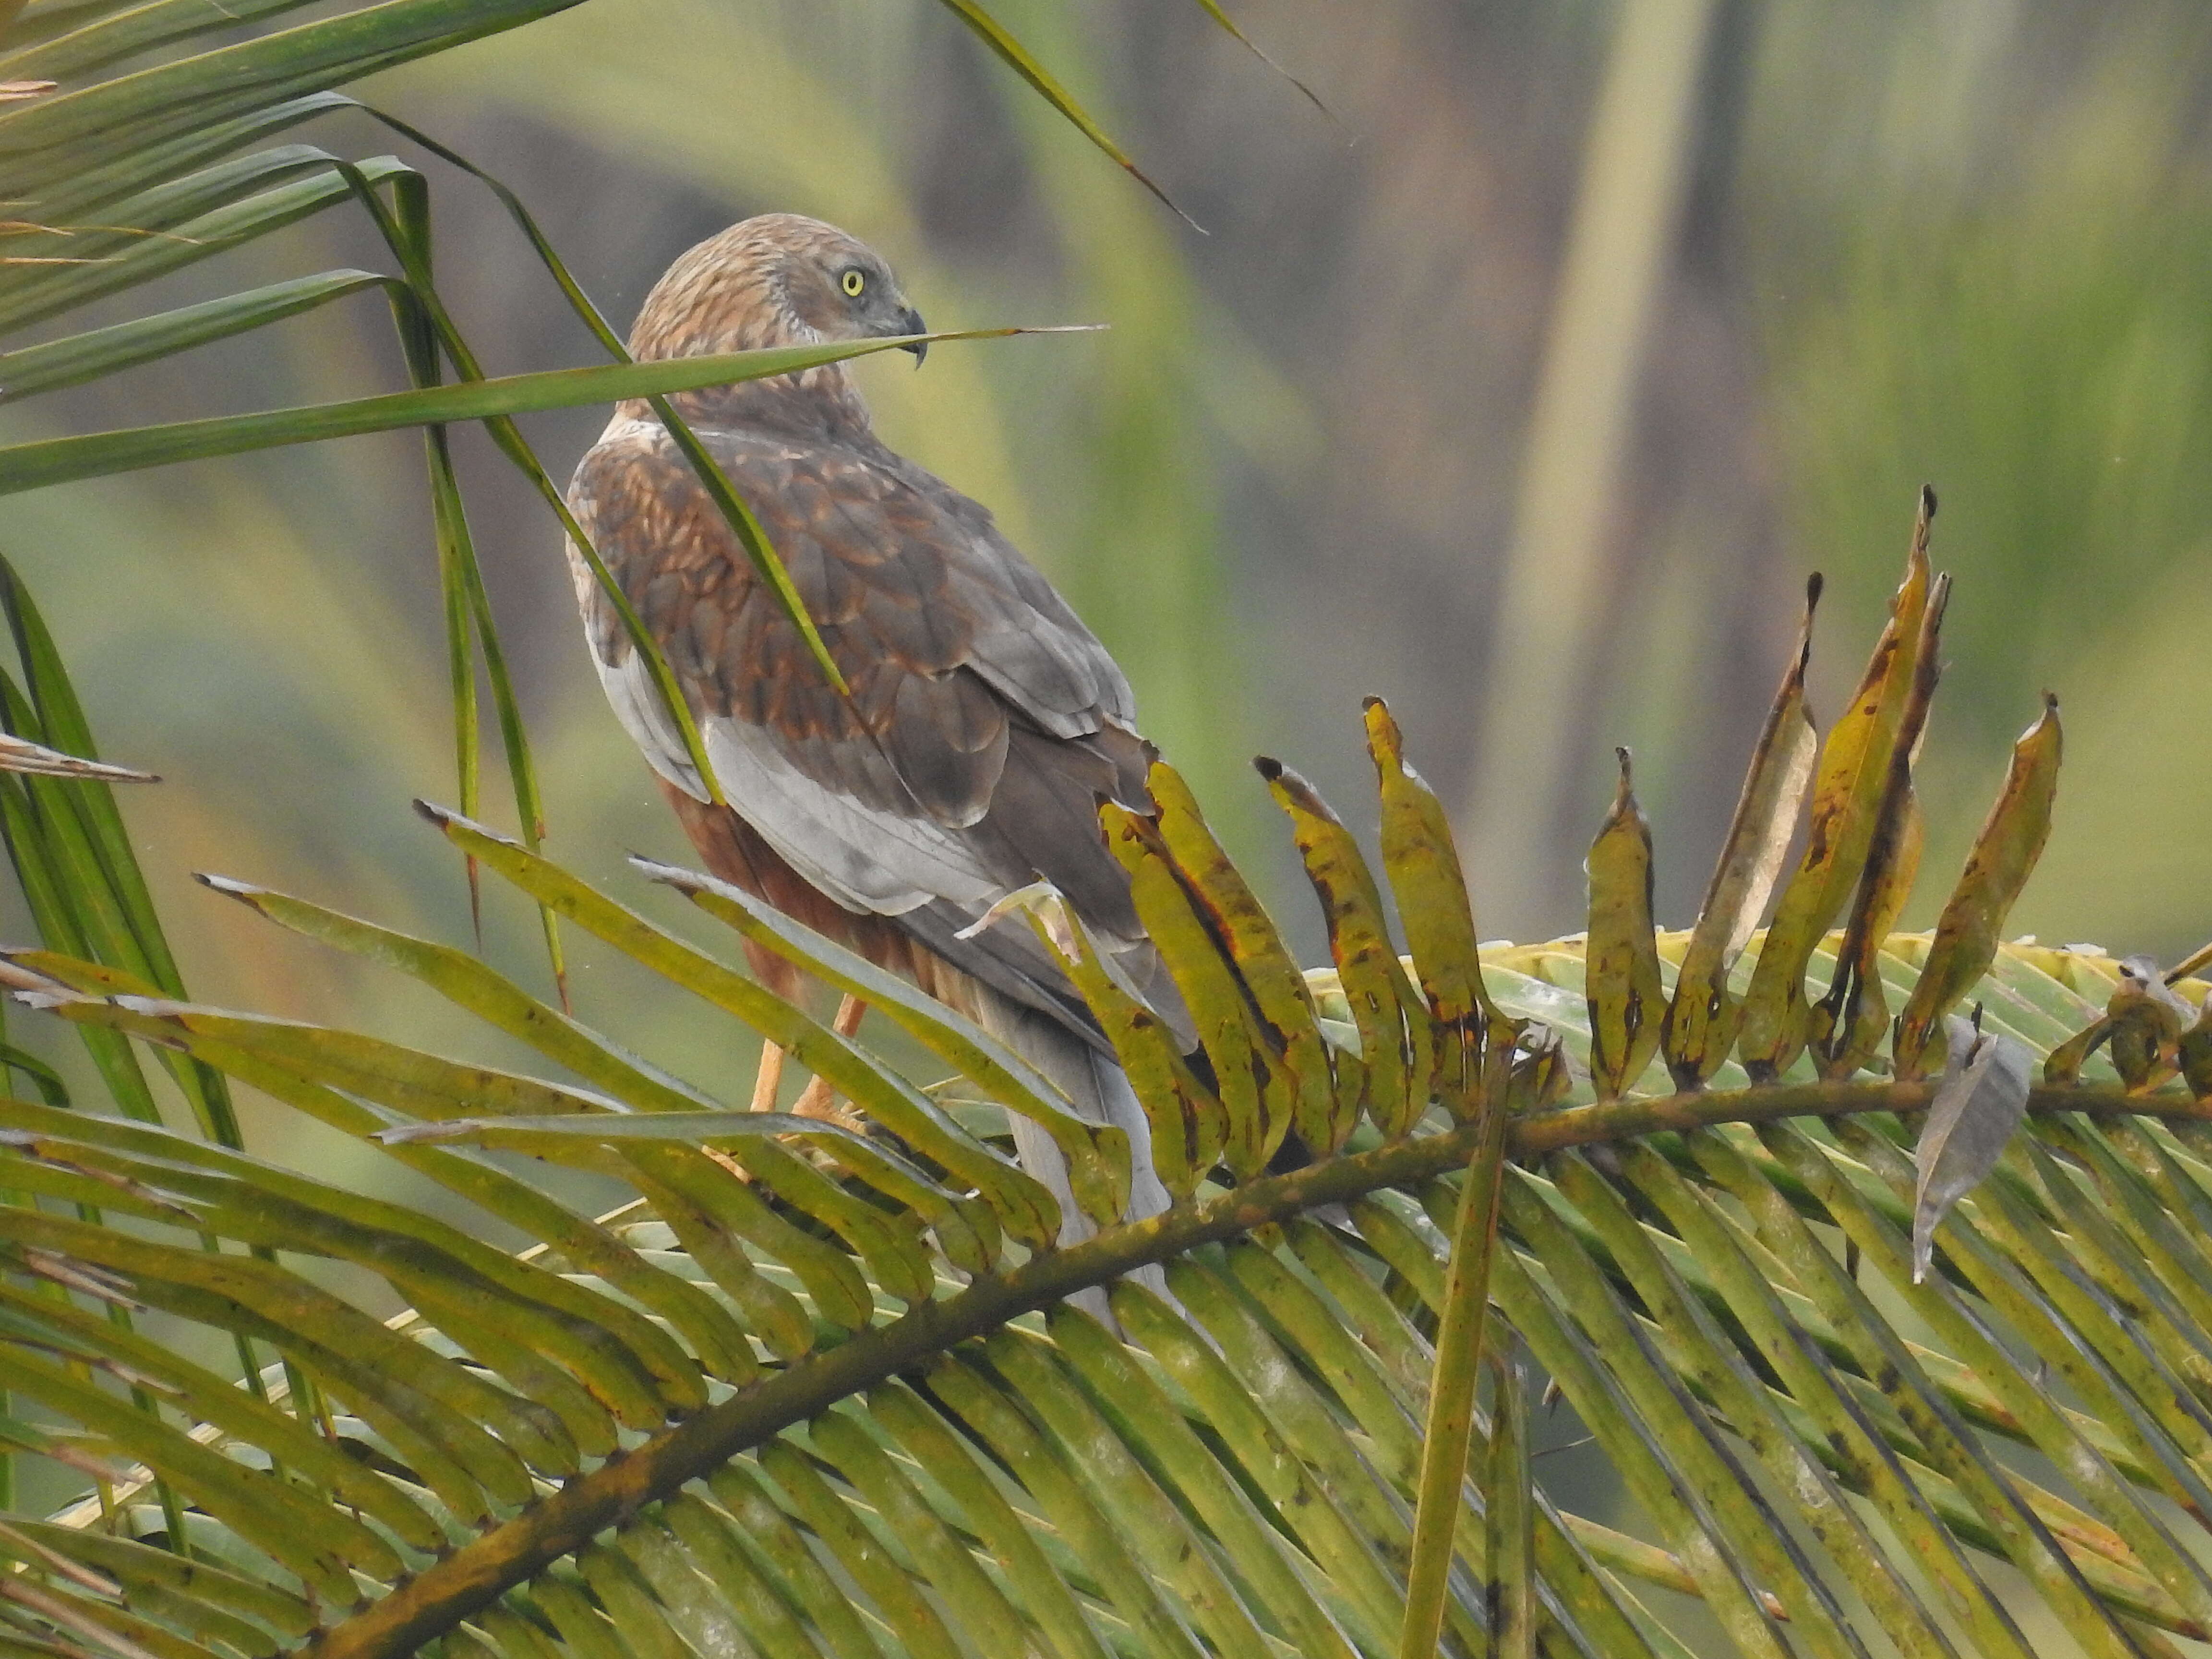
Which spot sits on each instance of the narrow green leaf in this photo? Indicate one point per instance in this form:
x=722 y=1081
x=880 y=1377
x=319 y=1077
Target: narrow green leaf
x=1047 y=1473
x=833 y=1283
x=134 y=29
x=129 y=1562
x=1449 y=1429
x=58 y=460
x=1950 y=1446
x=1577 y=1600
x=1719 y=1520
x=2095 y=1346
x=1360 y=1589
x=740 y=518
x=628 y=1362
x=583 y=1627
x=1213 y=9
x=702 y=1614
x=900 y=1414
x=1635 y=1448
x=916 y=1622
x=135 y=259
x=765 y=1530
x=51 y=138
x=313 y=1538
x=62 y=719
x=1511 y=1490
x=1692 y=1341
x=1028 y=1209
x=1119 y=1483
x=974 y=1603
x=49 y=892
x=588 y=1246
x=1863 y=1457
x=26 y=22
x=635 y=1611
x=88 y=191
x=1189 y=1124
x=1261 y=1377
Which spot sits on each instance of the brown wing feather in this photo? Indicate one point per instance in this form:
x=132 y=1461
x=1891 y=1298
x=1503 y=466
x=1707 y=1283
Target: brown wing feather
x=985 y=721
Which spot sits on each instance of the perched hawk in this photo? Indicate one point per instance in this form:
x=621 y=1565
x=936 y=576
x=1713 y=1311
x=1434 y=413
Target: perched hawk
x=985 y=722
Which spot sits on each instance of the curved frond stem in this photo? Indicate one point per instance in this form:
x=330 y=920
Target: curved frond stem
x=475 y=1576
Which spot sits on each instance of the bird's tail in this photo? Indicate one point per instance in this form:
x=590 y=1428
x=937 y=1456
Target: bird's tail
x=1100 y=1092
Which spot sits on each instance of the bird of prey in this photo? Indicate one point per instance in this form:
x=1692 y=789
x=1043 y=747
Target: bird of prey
x=985 y=723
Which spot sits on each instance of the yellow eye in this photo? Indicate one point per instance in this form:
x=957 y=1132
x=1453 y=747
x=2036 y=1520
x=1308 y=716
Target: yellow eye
x=854 y=282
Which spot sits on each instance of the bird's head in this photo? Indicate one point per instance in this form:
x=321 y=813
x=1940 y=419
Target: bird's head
x=780 y=279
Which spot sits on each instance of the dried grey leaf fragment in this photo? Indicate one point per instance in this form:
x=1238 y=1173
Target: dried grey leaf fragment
x=21 y=755
x=2141 y=974
x=1978 y=1105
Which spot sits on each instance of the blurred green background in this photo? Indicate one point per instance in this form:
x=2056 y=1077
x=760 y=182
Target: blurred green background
x=1967 y=242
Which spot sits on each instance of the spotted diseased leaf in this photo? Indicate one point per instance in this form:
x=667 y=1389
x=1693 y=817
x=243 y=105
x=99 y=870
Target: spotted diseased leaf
x=1622 y=963
x=1847 y=793
x=2003 y=855
x=2149 y=1017
x=1425 y=877
x=1850 y=1022
x=2194 y=1053
x=1258 y=1096
x=1270 y=974
x=1978 y=1104
x=1396 y=1047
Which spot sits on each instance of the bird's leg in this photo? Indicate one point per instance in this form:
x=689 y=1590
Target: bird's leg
x=816 y=1100
x=768 y=1079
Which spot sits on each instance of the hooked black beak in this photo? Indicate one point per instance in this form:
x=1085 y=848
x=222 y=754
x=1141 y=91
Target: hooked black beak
x=910 y=323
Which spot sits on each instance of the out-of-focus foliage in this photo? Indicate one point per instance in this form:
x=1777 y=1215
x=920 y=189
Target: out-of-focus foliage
x=1996 y=275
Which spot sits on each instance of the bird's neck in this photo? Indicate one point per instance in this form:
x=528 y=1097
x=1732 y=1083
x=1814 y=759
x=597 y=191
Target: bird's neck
x=815 y=402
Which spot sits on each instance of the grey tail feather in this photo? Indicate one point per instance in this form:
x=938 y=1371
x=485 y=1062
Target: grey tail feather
x=1100 y=1093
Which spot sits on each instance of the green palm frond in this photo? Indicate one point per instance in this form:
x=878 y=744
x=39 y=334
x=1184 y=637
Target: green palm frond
x=812 y=1388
